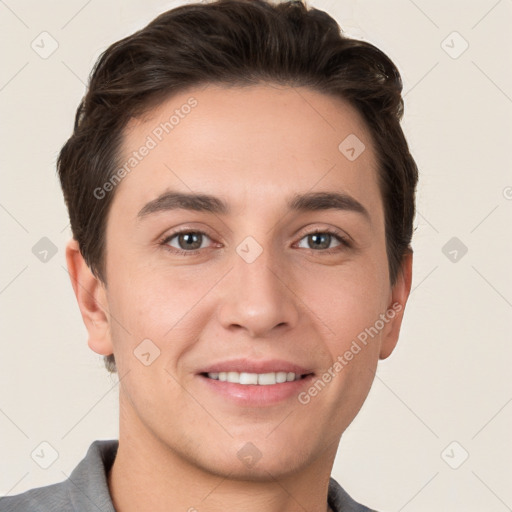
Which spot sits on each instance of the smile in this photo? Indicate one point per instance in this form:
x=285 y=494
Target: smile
x=257 y=379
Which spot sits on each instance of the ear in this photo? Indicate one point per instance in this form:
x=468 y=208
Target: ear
x=92 y=300
x=399 y=295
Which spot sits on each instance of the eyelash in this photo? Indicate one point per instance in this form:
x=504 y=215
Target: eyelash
x=343 y=240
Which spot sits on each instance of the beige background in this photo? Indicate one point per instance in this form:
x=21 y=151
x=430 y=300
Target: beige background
x=449 y=379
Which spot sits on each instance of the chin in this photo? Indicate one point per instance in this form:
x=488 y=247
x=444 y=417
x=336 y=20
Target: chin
x=259 y=461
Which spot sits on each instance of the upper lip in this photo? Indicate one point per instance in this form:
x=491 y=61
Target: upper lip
x=255 y=366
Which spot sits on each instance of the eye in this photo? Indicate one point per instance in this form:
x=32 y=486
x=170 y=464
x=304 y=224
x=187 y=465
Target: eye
x=190 y=242
x=187 y=241
x=323 y=240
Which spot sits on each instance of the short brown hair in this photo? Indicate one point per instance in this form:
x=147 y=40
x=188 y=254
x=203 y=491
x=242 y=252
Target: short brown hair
x=233 y=42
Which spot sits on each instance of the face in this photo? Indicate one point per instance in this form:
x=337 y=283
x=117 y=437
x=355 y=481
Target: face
x=245 y=244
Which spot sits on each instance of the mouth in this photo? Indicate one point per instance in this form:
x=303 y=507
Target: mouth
x=251 y=383
x=255 y=379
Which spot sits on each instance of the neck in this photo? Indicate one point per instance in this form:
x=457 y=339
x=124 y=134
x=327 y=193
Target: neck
x=149 y=475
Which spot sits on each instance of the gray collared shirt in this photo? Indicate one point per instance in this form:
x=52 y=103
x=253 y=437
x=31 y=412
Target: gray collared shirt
x=86 y=489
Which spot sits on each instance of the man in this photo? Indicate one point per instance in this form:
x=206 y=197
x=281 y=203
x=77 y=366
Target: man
x=241 y=197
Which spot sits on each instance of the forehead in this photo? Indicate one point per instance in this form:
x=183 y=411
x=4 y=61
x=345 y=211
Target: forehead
x=248 y=144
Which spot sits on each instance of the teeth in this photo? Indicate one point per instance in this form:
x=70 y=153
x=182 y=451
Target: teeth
x=281 y=377
x=266 y=379
x=262 y=379
x=248 y=378
x=233 y=377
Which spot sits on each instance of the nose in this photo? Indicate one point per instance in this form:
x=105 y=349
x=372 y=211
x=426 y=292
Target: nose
x=257 y=299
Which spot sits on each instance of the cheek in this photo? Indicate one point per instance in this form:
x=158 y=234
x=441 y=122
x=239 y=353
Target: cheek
x=347 y=299
x=154 y=324
x=160 y=306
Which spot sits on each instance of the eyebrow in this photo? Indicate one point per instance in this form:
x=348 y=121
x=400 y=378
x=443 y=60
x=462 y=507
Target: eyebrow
x=311 y=201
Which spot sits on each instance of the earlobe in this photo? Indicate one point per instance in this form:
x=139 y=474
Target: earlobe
x=91 y=298
x=400 y=294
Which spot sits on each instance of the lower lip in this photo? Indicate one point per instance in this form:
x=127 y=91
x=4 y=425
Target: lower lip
x=252 y=395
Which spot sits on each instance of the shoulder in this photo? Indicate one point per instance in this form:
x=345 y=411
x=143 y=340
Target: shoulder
x=42 y=499
x=85 y=489
x=340 y=501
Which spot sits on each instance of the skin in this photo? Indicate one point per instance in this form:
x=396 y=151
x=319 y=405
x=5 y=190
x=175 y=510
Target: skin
x=254 y=148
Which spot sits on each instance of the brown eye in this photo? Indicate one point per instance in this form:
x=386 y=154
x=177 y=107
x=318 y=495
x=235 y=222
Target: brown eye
x=319 y=241
x=187 y=240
